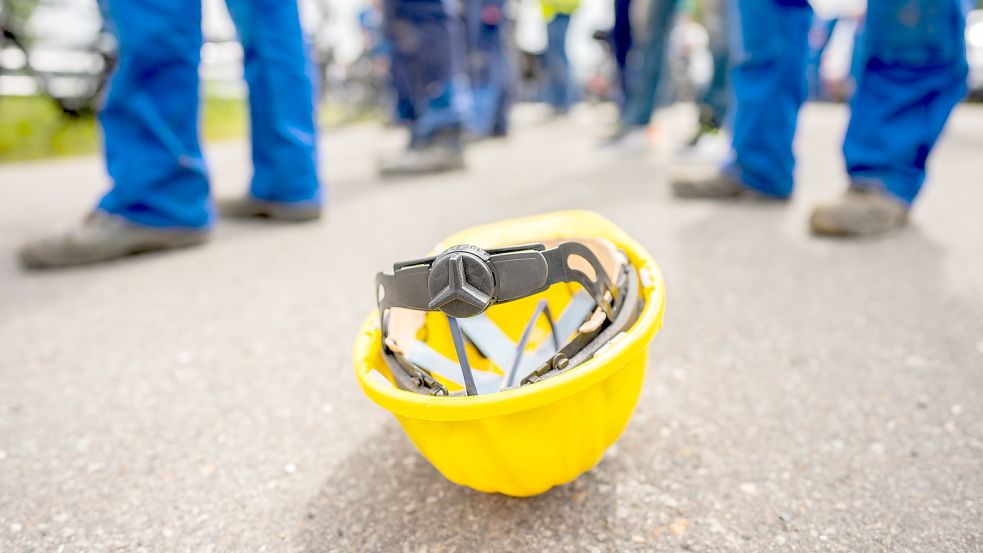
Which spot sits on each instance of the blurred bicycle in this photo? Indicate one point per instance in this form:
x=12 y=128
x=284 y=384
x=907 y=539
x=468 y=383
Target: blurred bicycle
x=70 y=62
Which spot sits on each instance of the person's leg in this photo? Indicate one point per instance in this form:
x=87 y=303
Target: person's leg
x=820 y=36
x=621 y=42
x=715 y=99
x=427 y=42
x=914 y=75
x=490 y=67
x=159 y=196
x=769 y=87
x=645 y=84
x=427 y=47
x=150 y=119
x=559 y=90
x=281 y=101
x=401 y=73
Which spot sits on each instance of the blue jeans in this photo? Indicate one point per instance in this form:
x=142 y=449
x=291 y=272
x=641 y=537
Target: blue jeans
x=427 y=44
x=560 y=88
x=914 y=73
x=489 y=67
x=150 y=120
x=644 y=85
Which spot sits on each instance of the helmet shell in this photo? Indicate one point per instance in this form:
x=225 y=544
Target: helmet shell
x=522 y=442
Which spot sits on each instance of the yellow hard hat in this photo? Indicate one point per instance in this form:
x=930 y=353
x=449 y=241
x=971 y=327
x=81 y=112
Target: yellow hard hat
x=497 y=394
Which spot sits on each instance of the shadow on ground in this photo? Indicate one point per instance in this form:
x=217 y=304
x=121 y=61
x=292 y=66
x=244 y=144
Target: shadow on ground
x=386 y=497
x=765 y=418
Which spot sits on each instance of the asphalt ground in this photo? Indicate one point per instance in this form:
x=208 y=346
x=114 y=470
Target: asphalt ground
x=805 y=394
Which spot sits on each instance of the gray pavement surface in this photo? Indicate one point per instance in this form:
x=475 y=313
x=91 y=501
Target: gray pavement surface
x=805 y=394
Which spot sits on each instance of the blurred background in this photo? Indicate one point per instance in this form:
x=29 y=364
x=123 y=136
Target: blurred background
x=56 y=56
x=805 y=394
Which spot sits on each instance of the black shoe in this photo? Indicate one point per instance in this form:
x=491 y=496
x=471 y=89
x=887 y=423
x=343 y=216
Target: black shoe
x=443 y=153
x=248 y=207
x=713 y=186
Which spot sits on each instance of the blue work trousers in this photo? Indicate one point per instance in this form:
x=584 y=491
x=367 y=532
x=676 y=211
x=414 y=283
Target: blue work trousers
x=150 y=120
x=427 y=67
x=913 y=74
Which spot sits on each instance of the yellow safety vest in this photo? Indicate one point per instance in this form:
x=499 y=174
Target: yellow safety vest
x=551 y=8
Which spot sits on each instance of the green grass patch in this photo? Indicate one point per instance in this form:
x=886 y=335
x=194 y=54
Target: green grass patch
x=34 y=127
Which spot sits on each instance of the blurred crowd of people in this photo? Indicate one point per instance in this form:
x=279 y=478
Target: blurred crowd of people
x=452 y=72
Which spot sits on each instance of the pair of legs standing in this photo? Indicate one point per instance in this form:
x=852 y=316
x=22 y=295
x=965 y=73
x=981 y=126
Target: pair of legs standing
x=645 y=79
x=451 y=73
x=561 y=92
x=151 y=123
x=490 y=69
x=914 y=73
x=160 y=193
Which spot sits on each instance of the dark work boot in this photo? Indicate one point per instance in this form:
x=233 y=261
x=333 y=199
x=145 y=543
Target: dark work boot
x=445 y=152
x=705 y=184
x=248 y=207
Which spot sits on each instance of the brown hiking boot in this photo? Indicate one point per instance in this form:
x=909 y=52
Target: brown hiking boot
x=862 y=211
x=103 y=237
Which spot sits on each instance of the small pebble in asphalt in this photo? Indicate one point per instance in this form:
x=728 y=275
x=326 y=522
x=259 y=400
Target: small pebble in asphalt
x=678 y=527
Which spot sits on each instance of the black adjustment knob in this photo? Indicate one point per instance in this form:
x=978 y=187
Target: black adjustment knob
x=461 y=282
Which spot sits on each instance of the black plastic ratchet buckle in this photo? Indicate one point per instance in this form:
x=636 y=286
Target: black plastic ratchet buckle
x=464 y=281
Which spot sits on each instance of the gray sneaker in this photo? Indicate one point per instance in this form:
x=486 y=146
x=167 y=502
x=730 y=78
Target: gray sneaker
x=423 y=160
x=102 y=237
x=715 y=185
x=862 y=211
x=248 y=207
